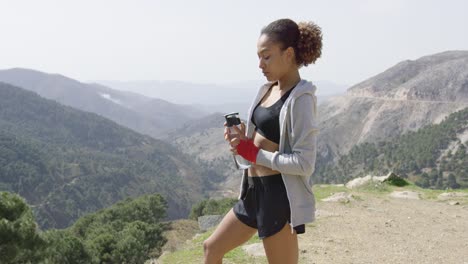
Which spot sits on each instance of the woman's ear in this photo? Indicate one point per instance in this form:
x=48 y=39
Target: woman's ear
x=290 y=54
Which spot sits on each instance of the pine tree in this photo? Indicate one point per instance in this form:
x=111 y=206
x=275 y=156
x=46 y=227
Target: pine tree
x=19 y=240
x=440 y=182
x=452 y=181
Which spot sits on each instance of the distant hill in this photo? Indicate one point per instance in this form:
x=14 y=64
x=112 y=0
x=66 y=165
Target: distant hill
x=434 y=156
x=151 y=116
x=203 y=139
x=189 y=93
x=439 y=77
x=406 y=97
x=67 y=163
x=212 y=98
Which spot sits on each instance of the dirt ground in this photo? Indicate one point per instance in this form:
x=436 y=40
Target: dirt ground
x=387 y=230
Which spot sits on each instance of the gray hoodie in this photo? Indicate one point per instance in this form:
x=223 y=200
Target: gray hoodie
x=297 y=149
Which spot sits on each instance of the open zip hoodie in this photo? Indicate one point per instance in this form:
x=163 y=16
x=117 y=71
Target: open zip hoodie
x=295 y=159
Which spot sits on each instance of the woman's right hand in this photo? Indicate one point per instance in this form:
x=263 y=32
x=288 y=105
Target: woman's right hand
x=234 y=139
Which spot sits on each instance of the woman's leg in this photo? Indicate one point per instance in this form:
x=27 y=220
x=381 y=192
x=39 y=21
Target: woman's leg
x=229 y=234
x=282 y=247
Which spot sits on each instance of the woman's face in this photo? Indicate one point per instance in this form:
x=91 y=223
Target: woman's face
x=273 y=61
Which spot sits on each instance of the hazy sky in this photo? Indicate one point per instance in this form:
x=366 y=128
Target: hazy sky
x=215 y=41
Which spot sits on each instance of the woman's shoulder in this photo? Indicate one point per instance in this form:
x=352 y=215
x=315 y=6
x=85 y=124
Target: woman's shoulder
x=304 y=87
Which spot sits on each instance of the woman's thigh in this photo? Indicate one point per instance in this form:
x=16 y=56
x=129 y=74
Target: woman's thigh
x=229 y=234
x=282 y=247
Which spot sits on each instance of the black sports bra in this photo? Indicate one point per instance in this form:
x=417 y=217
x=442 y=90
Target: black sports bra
x=266 y=119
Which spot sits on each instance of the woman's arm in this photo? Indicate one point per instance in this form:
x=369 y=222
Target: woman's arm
x=304 y=142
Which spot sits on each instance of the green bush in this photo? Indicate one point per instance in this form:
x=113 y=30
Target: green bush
x=212 y=207
x=127 y=232
x=396 y=181
x=20 y=241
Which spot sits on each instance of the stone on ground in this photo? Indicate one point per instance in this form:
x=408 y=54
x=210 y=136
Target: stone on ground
x=208 y=221
x=405 y=195
x=449 y=195
x=255 y=249
x=361 y=181
x=339 y=197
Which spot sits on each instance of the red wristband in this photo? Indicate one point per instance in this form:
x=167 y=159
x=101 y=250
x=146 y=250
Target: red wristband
x=248 y=150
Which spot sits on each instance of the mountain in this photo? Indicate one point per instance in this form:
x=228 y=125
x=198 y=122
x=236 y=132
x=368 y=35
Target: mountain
x=189 y=93
x=146 y=115
x=212 y=98
x=67 y=162
x=441 y=77
x=403 y=98
x=434 y=156
x=209 y=98
x=203 y=139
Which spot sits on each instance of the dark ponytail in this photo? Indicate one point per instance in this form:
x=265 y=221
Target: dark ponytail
x=305 y=38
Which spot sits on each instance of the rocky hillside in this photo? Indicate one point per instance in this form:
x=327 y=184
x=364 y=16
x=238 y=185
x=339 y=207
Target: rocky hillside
x=434 y=156
x=440 y=77
x=403 y=98
x=67 y=162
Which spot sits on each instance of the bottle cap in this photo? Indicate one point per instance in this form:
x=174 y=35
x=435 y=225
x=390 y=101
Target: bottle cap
x=232 y=119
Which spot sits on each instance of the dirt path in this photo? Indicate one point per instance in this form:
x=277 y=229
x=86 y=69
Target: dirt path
x=387 y=230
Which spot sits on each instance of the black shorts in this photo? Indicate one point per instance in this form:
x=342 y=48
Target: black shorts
x=265 y=206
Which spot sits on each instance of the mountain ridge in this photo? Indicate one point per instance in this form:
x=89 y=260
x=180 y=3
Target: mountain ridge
x=403 y=98
x=146 y=115
x=421 y=79
x=69 y=162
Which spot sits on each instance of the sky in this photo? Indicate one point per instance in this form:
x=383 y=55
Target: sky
x=208 y=41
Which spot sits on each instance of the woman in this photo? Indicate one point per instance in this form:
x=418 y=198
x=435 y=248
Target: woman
x=275 y=198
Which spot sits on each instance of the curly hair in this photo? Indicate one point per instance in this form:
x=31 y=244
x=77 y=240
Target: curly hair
x=305 y=38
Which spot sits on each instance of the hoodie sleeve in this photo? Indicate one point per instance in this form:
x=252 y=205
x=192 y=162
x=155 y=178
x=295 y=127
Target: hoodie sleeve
x=303 y=141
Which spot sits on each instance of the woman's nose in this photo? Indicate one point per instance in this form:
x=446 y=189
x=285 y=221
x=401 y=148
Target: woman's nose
x=261 y=64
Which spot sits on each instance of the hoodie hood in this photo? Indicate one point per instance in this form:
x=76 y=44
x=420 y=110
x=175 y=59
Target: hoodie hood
x=303 y=87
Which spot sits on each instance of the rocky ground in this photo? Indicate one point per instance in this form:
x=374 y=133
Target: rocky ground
x=391 y=225
x=387 y=230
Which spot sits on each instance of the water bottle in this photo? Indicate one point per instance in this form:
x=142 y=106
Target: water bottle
x=232 y=120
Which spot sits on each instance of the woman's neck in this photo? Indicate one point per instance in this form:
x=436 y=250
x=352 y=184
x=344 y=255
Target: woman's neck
x=289 y=80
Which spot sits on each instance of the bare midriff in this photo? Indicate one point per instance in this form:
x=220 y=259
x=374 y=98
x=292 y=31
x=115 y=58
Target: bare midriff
x=268 y=145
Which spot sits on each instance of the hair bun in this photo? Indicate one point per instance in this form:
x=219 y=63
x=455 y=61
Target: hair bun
x=310 y=42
